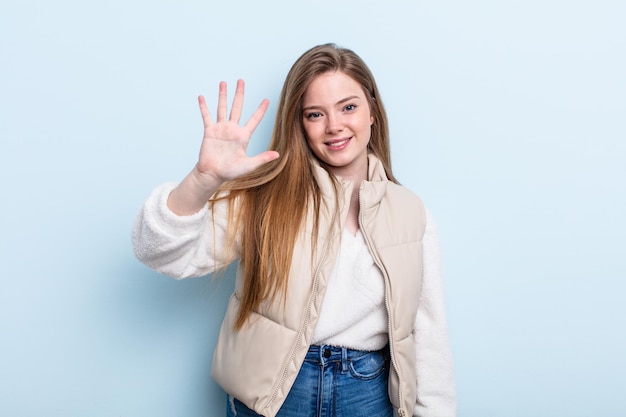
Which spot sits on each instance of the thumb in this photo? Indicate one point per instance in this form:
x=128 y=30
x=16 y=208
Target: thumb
x=263 y=158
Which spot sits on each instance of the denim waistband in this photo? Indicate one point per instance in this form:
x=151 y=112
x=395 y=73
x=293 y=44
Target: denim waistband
x=324 y=354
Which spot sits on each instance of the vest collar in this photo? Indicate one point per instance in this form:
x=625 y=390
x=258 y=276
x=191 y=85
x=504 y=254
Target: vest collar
x=372 y=190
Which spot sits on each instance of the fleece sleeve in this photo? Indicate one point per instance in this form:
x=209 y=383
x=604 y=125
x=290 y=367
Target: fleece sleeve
x=180 y=246
x=436 y=391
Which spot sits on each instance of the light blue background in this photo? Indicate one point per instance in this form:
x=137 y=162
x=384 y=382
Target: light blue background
x=507 y=118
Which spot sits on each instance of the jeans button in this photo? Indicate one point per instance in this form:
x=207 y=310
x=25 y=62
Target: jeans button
x=327 y=353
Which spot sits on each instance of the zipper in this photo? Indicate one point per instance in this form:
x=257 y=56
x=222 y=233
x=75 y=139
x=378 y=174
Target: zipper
x=304 y=323
x=401 y=411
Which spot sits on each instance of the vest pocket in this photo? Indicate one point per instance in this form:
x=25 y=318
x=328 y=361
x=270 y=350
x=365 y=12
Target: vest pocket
x=248 y=363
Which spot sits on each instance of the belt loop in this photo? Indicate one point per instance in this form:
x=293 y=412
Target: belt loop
x=344 y=359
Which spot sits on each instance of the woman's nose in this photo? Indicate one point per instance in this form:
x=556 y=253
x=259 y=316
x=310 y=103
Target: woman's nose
x=333 y=123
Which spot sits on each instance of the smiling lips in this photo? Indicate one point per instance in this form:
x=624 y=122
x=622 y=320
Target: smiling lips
x=338 y=144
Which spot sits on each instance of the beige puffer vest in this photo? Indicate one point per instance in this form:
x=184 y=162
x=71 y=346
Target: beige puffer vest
x=259 y=364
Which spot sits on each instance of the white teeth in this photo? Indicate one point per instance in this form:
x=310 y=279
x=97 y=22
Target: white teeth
x=336 y=144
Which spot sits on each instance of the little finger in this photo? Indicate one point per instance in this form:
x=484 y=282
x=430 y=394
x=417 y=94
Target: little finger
x=204 y=111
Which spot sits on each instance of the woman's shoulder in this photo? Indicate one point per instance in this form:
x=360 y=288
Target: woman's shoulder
x=402 y=194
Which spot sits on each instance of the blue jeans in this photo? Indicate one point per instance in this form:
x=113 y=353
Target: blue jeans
x=334 y=382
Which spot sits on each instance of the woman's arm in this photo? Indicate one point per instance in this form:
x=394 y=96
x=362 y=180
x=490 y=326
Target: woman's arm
x=436 y=391
x=176 y=232
x=181 y=246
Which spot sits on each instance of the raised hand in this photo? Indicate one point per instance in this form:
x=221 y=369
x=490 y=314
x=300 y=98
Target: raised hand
x=222 y=154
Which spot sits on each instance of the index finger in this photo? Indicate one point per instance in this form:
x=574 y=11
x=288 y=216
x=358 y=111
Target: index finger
x=257 y=116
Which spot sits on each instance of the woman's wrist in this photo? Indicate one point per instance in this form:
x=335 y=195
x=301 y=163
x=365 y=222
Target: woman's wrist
x=192 y=193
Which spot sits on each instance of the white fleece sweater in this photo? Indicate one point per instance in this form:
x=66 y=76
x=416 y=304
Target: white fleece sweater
x=353 y=313
x=157 y=229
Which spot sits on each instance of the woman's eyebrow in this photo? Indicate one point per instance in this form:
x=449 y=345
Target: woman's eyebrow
x=343 y=100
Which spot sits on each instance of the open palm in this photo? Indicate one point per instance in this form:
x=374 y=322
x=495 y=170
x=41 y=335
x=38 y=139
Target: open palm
x=223 y=152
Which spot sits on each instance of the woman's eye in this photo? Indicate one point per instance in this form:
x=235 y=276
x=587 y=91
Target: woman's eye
x=313 y=115
x=349 y=107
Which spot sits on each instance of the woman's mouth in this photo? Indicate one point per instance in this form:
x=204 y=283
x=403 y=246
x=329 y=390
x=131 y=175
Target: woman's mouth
x=337 y=144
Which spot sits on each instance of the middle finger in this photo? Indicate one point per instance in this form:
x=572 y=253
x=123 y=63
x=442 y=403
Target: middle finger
x=235 y=112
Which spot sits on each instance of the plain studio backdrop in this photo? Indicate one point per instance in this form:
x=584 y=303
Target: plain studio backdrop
x=507 y=117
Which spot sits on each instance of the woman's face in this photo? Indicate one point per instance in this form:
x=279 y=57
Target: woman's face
x=337 y=121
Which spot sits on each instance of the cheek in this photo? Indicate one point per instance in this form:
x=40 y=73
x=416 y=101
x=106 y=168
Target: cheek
x=309 y=136
x=311 y=132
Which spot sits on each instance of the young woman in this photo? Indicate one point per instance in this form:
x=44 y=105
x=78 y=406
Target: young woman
x=338 y=302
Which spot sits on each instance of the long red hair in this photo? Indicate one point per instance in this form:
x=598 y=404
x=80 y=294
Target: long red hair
x=268 y=206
